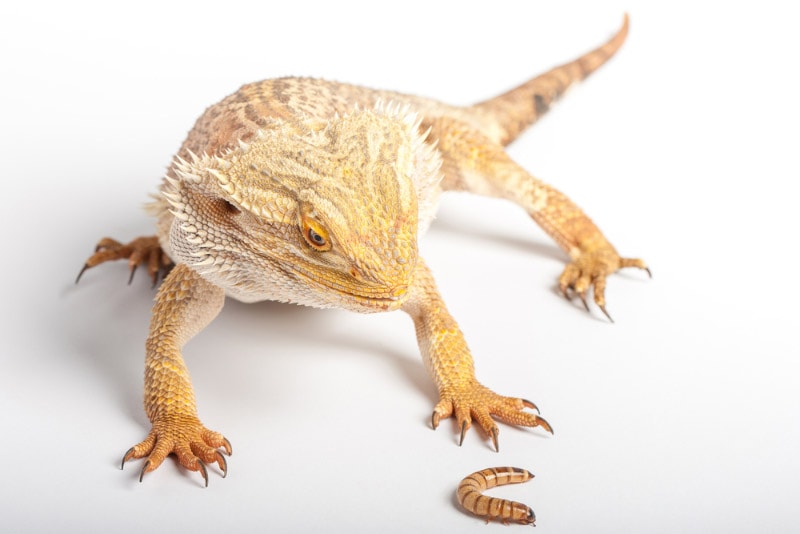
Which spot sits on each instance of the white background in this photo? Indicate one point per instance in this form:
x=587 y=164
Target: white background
x=681 y=417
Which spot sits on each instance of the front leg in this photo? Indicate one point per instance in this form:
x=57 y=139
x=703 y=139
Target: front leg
x=449 y=362
x=474 y=163
x=185 y=304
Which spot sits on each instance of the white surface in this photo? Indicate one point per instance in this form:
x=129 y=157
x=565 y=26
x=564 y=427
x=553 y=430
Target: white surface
x=681 y=417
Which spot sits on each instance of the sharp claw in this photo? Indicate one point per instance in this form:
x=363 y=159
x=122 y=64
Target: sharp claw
x=223 y=464
x=544 y=424
x=603 y=309
x=126 y=457
x=203 y=471
x=463 y=433
x=227 y=445
x=529 y=404
x=133 y=271
x=83 y=270
x=649 y=273
x=144 y=470
x=495 y=431
x=583 y=299
x=434 y=420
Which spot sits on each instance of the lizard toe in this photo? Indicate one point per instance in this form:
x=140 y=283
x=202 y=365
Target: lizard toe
x=590 y=270
x=143 y=251
x=193 y=445
x=477 y=402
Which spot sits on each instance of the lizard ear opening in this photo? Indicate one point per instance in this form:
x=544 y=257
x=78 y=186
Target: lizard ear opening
x=227 y=207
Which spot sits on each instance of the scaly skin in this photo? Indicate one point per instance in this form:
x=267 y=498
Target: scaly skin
x=313 y=192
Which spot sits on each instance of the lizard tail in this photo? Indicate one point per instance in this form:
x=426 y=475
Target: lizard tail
x=509 y=114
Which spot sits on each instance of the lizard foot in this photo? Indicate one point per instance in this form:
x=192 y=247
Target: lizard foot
x=590 y=269
x=141 y=251
x=479 y=402
x=185 y=436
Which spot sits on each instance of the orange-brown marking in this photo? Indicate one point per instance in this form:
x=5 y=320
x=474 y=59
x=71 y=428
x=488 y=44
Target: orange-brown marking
x=470 y=495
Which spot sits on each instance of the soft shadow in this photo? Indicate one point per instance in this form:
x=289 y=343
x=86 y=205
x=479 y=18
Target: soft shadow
x=542 y=249
x=104 y=321
x=285 y=322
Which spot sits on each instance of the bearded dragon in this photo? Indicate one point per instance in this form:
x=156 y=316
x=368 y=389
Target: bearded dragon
x=312 y=192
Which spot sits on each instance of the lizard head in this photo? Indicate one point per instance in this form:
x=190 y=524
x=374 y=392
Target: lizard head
x=323 y=214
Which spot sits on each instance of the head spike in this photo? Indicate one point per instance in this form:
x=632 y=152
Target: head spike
x=206 y=262
x=222 y=163
x=221 y=178
x=180 y=215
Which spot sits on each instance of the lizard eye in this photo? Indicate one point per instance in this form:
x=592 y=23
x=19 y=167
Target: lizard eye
x=315 y=238
x=315 y=235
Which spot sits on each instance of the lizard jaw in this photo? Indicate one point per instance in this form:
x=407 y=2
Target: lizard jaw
x=394 y=302
x=393 y=299
x=349 y=297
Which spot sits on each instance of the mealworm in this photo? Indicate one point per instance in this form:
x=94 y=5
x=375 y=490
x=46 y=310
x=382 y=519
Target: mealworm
x=471 y=498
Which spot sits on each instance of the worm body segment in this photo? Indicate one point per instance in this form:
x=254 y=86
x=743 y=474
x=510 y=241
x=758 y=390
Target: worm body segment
x=470 y=495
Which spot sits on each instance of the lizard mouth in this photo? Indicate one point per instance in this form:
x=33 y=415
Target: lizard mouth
x=389 y=299
x=373 y=298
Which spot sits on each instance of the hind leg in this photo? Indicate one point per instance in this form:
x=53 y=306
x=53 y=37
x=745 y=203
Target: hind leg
x=476 y=164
